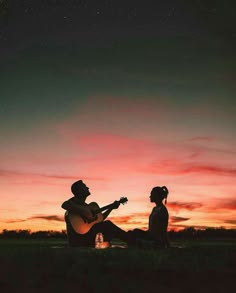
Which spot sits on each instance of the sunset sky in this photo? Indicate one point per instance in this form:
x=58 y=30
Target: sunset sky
x=123 y=96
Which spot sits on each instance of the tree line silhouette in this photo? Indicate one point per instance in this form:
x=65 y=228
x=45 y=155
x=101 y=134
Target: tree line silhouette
x=207 y=233
x=26 y=234
x=187 y=233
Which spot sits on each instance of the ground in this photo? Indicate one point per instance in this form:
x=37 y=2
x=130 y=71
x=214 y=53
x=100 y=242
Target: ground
x=51 y=266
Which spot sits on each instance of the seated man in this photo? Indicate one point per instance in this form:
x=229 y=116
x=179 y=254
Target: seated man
x=83 y=223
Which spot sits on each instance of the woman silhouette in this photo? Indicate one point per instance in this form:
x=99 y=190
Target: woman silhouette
x=158 y=221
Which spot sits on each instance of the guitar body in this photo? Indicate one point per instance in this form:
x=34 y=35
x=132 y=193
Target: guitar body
x=81 y=226
x=78 y=223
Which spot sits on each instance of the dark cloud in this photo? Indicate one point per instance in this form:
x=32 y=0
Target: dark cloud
x=48 y=218
x=228 y=204
x=233 y=222
x=178 y=226
x=202 y=149
x=6 y=173
x=15 y=221
x=178 y=219
x=203 y=138
x=38 y=217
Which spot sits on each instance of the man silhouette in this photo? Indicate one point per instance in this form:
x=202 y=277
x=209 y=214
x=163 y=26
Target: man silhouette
x=77 y=205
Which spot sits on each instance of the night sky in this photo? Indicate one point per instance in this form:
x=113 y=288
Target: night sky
x=126 y=95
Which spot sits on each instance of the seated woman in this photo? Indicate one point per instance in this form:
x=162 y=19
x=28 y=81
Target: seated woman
x=158 y=222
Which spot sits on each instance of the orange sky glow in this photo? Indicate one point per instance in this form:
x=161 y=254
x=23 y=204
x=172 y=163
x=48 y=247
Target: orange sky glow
x=121 y=148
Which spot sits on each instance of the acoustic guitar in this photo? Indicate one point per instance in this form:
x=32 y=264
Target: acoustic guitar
x=81 y=225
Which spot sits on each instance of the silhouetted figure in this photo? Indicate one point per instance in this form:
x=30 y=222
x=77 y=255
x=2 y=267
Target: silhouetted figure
x=158 y=222
x=83 y=221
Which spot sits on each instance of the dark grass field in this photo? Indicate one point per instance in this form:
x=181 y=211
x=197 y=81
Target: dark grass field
x=51 y=266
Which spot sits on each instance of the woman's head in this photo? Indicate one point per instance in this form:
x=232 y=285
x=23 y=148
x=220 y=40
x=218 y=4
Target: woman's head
x=158 y=194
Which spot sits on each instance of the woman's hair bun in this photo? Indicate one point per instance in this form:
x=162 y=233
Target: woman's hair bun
x=165 y=191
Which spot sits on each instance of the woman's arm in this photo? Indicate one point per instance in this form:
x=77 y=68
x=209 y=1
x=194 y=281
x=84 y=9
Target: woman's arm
x=158 y=227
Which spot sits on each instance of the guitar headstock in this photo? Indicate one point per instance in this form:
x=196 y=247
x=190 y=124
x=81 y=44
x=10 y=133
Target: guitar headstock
x=123 y=200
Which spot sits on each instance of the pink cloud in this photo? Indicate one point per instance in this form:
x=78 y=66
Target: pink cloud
x=149 y=156
x=129 y=137
x=114 y=115
x=109 y=144
x=110 y=155
x=132 y=220
x=175 y=167
x=12 y=173
x=221 y=204
x=208 y=169
x=190 y=206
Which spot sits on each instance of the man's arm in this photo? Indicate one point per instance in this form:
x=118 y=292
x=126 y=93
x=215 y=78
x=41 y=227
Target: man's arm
x=72 y=207
x=107 y=212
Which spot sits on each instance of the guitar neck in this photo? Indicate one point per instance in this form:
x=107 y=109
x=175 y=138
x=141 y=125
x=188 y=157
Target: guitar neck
x=104 y=208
